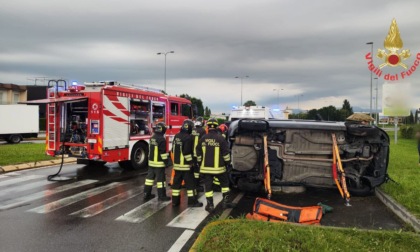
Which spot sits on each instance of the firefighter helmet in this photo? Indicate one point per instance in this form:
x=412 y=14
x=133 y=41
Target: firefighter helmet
x=212 y=123
x=223 y=128
x=199 y=121
x=187 y=126
x=160 y=128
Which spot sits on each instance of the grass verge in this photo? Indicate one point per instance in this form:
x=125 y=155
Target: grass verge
x=405 y=170
x=22 y=153
x=247 y=235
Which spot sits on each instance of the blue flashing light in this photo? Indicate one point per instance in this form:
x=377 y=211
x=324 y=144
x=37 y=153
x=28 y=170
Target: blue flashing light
x=74 y=83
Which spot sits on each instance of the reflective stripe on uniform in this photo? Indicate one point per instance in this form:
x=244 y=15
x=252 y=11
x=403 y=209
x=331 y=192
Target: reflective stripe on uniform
x=160 y=184
x=225 y=189
x=176 y=192
x=190 y=193
x=209 y=194
x=216 y=156
x=212 y=170
x=149 y=182
x=155 y=162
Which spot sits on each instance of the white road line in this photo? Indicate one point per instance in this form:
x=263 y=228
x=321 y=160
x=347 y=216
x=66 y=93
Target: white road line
x=108 y=203
x=18 y=180
x=191 y=217
x=24 y=187
x=25 y=199
x=73 y=199
x=13 y=174
x=144 y=211
x=179 y=244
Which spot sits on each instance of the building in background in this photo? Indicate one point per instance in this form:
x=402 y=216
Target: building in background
x=12 y=93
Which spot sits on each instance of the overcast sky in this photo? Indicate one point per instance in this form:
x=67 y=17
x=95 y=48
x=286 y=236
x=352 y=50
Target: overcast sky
x=313 y=50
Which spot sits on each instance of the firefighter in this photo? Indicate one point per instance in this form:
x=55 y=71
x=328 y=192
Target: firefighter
x=213 y=156
x=197 y=133
x=182 y=149
x=222 y=130
x=158 y=161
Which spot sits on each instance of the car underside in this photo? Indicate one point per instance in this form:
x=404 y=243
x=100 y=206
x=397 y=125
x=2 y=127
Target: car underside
x=300 y=153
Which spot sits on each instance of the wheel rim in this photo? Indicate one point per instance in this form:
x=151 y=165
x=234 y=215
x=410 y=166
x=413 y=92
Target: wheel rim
x=139 y=156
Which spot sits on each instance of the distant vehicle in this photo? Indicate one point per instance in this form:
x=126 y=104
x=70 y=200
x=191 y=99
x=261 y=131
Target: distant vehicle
x=18 y=122
x=250 y=112
x=300 y=153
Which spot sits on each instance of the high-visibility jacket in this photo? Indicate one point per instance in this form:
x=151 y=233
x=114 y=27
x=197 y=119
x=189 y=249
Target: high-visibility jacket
x=213 y=153
x=158 y=157
x=197 y=133
x=182 y=148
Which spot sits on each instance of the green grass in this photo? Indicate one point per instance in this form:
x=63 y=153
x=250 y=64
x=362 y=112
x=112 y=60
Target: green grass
x=404 y=169
x=247 y=235
x=22 y=153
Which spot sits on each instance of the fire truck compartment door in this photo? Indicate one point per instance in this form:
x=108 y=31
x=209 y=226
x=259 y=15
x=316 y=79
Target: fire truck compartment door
x=67 y=99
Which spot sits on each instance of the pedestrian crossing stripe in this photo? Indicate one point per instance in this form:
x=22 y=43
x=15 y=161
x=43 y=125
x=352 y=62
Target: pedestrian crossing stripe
x=28 y=198
x=74 y=198
x=144 y=211
x=192 y=217
x=99 y=207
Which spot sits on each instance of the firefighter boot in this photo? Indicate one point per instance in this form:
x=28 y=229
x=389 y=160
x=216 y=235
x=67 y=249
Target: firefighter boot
x=148 y=193
x=193 y=202
x=162 y=195
x=226 y=201
x=210 y=206
x=175 y=201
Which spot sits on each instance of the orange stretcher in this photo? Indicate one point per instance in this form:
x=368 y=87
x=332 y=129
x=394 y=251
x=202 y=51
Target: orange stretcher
x=267 y=210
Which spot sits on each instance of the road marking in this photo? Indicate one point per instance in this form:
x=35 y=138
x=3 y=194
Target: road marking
x=182 y=240
x=24 y=187
x=73 y=199
x=191 y=217
x=25 y=199
x=143 y=211
x=18 y=180
x=108 y=203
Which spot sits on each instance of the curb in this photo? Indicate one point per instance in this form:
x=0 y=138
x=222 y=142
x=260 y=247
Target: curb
x=398 y=210
x=17 y=167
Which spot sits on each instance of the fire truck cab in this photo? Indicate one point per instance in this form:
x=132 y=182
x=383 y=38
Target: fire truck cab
x=103 y=122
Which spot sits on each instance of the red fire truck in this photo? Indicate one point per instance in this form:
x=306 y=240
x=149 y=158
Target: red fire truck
x=103 y=122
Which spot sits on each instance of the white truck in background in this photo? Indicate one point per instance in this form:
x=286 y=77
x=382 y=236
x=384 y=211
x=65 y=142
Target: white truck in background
x=250 y=112
x=18 y=122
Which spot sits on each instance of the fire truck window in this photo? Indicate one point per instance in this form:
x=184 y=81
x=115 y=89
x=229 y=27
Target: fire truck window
x=158 y=113
x=174 y=108
x=139 y=110
x=186 y=110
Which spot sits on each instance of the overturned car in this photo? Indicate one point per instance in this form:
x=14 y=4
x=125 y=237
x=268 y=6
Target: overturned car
x=300 y=153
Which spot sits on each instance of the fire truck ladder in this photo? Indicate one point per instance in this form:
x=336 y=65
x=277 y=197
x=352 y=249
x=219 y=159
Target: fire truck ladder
x=52 y=132
x=53 y=88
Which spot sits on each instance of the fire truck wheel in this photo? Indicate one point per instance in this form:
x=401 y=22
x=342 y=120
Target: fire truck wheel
x=139 y=155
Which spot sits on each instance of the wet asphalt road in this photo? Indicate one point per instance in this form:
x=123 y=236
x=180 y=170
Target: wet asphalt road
x=105 y=212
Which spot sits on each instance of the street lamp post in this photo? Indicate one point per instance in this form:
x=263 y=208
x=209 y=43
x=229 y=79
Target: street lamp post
x=371 y=55
x=278 y=95
x=241 y=77
x=165 y=53
x=298 y=96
